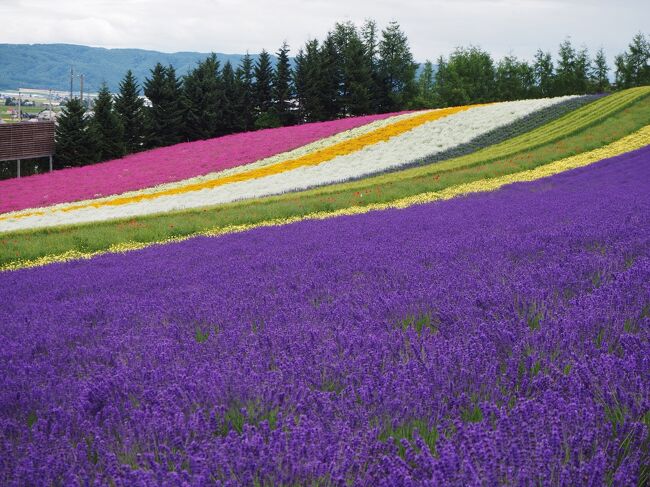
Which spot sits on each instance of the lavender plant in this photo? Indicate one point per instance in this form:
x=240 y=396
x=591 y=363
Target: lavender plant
x=500 y=338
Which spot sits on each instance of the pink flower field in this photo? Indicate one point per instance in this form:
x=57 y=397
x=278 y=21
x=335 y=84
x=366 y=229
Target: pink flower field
x=165 y=165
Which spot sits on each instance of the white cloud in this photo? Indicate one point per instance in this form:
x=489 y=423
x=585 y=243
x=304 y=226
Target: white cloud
x=434 y=27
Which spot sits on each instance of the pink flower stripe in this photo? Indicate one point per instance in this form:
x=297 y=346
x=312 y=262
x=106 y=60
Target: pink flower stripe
x=165 y=165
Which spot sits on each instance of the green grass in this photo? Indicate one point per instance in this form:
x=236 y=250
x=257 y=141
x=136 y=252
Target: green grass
x=587 y=128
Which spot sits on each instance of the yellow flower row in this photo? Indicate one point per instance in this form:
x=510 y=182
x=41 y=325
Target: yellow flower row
x=639 y=139
x=312 y=159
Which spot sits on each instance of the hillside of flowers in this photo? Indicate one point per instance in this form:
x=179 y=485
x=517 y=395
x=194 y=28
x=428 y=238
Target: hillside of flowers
x=386 y=145
x=454 y=296
x=497 y=338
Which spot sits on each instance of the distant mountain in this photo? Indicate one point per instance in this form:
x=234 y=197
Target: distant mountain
x=47 y=66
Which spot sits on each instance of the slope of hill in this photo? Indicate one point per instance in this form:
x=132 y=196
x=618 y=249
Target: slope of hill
x=47 y=66
x=498 y=339
x=231 y=185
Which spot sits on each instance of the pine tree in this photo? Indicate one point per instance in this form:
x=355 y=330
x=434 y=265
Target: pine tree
x=282 y=88
x=106 y=127
x=544 y=75
x=633 y=66
x=74 y=142
x=397 y=69
x=355 y=80
x=164 y=119
x=130 y=109
x=598 y=76
x=330 y=72
x=263 y=87
x=426 y=97
x=371 y=44
x=581 y=71
x=203 y=98
x=246 y=89
x=309 y=83
x=231 y=115
x=565 y=74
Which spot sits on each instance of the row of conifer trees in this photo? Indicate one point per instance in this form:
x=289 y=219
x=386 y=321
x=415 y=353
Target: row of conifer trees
x=353 y=71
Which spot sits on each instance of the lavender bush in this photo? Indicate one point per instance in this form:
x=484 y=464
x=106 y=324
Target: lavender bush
x=500 y=338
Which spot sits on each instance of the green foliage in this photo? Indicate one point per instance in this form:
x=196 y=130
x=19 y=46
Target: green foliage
x=396 y=69
x=245 y=99
x=571 y=75
x=468 y=76
x=282 y=88
x=633 y=66
x=309 y=83
x=515 y=80
x=130 y=110
x=263 y=86
x=598 y=76
x=251 y=412
x=164 y=119
x=74 y=142
x=204 y=100
x=231 y=116
x=419 y=323
x=544 y=72
x=426 y=97
x=106 y=127
x=407 y=430
x=356 y=81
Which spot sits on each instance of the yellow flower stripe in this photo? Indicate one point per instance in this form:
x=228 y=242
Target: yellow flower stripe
x=312 y=159
x=638 y=139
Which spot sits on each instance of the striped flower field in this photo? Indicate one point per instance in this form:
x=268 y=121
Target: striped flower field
x=447 y=297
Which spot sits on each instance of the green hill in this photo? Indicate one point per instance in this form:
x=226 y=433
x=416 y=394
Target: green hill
x=47 y=66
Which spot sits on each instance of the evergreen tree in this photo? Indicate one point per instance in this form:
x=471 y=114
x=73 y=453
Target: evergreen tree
x=231 y=115
x=246 y=90
x=356 y=84
x=105 y=127
x=164 y=119
x=426 y=97
x=263 y=88
x=467 y=77
x=203 y=97
x=282 y=88
x=309 y=83
x=515 y=80
x=130 y=110
x=633 y=66
x=598 y=76
x=568 y=75
x=74 y=142
x=370 y=41
x=330 y=71
x=544 y=75
x=582 y=71
x=396 y=69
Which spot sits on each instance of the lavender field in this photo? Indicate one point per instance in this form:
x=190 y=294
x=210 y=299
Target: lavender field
x=500 y=338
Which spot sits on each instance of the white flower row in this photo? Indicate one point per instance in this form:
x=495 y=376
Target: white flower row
x=421 y=142
x=275 y=159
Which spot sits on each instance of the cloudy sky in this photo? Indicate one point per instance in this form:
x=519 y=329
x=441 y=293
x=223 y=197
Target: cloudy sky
x=434 y=27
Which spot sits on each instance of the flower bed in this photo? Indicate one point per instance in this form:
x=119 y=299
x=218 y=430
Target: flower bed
x=165 y=165
x=395 y=145
x=498 y=338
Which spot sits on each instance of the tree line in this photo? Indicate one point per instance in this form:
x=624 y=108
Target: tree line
x=353 y=71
